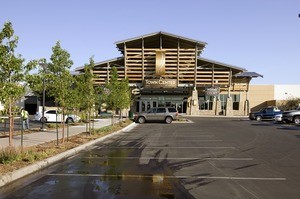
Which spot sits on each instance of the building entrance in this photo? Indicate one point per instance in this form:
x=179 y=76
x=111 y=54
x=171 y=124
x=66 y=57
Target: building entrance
x=147 y=102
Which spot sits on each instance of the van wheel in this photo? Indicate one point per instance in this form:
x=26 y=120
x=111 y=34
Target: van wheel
x=168 y=120
x=43 y=119
x=141 y=120
x=69 y=120
x=258 y=118
x=297 y=119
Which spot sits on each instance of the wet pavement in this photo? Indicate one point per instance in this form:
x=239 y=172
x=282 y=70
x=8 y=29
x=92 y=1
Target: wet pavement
x=211 y=158
x=114 y=169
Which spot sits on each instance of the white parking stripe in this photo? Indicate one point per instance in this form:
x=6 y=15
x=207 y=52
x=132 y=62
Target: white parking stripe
x=167 y=177
x=176 y=141
x=147 y=158
x=167 y=147
x=172 y=136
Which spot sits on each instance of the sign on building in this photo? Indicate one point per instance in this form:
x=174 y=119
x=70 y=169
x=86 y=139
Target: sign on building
x=212 y=91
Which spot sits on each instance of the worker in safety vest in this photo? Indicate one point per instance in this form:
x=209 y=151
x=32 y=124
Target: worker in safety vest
x=25 y=118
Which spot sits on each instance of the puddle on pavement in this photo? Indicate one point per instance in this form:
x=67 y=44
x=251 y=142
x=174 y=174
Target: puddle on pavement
x=121 y=177
x=134 y=186
x=108 y=174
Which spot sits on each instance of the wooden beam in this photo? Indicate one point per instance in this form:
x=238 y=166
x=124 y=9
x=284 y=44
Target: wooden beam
x=143 y=59
x=160 y=41
x=195 y=76
x=125 y=58
x=107 y=71
x=213 y=75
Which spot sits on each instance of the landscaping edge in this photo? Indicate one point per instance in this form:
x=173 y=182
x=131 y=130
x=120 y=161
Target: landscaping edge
x=20 y=173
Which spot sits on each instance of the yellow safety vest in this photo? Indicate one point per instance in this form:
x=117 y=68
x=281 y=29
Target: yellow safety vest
x=24 y=114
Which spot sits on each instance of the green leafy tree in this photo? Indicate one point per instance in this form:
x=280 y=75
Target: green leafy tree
x=85 y=91
x=60 y=80
x=116 y=93
x=12 y=73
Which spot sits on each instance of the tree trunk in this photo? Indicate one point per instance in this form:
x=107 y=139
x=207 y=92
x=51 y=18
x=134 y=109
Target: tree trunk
x=11 y=125
x=63 y=125
x=89 y=122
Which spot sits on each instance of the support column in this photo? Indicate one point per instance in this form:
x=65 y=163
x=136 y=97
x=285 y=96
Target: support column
x=193 y=109
x=247 y=105
x=218 y=107
x=229 y=108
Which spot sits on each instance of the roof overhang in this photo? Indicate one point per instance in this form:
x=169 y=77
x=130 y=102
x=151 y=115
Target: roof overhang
x=154 y=40
x=202 y=62
x=119 y=62
x=248 y=75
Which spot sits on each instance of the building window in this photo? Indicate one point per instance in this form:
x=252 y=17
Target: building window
x=223 y=99
x=235 y=101
x=206 y=102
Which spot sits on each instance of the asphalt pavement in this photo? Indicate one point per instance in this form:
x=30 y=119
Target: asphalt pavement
x=210 y=158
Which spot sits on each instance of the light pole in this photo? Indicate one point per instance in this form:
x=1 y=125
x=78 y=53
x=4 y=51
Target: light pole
x=44 y=65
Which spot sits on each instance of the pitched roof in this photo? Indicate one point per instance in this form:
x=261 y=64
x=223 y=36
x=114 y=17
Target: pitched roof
x=220 y=64
x=153 y=40
x=248 y=74
x=114 y=61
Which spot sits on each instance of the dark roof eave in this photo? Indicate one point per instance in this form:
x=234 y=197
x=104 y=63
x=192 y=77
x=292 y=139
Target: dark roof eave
x=249 y=74
x=222 y=64
x=163 y=33
x=100 y=63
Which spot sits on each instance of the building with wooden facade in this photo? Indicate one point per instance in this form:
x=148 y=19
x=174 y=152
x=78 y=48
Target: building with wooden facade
x=164 y=69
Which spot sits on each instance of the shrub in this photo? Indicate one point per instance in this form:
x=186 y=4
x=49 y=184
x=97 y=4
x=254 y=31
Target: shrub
x=31 y=156
x=53 y=125
x=9 y=155
x=289 y=104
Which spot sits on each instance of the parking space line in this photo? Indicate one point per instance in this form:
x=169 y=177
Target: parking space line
x=147 y=158
x=173 y=136
x=167 y=177
x=165 y=147
x=159 y=141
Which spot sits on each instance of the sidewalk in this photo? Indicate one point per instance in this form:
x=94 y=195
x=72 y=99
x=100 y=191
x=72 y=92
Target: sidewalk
x=36 y=138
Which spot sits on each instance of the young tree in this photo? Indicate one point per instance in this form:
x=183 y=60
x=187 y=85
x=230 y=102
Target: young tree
x=116 y=93
x=85 y=89
x=12 y=73
x=60 y=80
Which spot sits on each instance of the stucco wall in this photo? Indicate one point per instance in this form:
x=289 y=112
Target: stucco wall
x=259 y=95
x=283 y=92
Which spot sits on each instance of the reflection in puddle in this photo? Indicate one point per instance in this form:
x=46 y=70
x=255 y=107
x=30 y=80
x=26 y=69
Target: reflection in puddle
x=118 y=180
x=141 y=185
x=51 y=182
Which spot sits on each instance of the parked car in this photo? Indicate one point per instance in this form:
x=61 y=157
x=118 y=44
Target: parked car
x=50 y=116
x=278 y=118
x=166 y=114
x=292 y=116
x=267 y=113
x=105 y=114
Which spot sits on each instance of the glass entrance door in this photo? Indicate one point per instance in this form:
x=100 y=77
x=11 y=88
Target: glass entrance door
x=146 y=105
x=147 y=102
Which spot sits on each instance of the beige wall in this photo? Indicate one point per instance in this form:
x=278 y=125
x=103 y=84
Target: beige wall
x=259 y=95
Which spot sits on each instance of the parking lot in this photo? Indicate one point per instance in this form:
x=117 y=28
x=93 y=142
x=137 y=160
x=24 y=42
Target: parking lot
x=209 y=158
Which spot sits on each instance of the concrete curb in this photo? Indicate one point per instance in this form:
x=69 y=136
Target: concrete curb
x=12 y=176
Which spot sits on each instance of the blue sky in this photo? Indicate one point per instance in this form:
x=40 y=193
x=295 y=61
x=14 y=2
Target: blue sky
x=259 y=35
